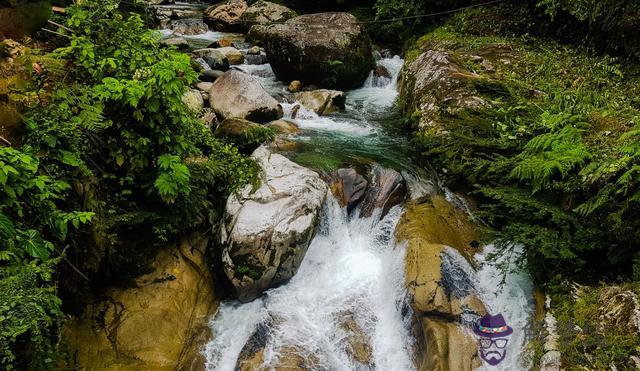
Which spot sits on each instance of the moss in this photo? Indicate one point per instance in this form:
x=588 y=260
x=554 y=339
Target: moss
x=587 y=341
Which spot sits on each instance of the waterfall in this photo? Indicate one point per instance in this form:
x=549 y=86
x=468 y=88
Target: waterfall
x=352 y=277
x=353 y=269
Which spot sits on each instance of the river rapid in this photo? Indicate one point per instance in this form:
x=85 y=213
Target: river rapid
x=350 y=285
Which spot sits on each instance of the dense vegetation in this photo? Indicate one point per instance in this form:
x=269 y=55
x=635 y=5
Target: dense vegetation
x=111 y=164
x=553 y=159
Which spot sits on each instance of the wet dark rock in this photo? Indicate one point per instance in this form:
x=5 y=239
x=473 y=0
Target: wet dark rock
x=348 y=187
x=256 y=59
x=327 y=49
x=387 y=189
x=210 y=75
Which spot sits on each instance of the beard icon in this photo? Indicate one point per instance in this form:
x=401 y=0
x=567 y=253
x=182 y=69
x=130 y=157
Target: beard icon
x=493 y=335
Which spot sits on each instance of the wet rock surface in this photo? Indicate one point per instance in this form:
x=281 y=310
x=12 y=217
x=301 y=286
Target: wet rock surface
x=434 y=82
x=321 y=101
x=387 y=189
x=266 y=232
x=161 y=323
x=349 y=187
x=327 y=49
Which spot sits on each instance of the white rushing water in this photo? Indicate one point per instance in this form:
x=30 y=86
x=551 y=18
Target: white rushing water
x=352 y=269
x=503 y=290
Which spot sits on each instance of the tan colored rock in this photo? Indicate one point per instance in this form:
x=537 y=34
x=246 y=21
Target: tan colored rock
x=161 y=324
x=264 y=12
x=358 y=344
x=618 y=308
x=428 y=228
x=322 y=101
x=237 y=94
x=225 y=16
x=284 y=126
x=448 y=347
x=295 y=86
x=233 y=55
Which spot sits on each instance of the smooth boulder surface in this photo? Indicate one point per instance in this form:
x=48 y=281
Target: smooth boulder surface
x=322 y=101
x=330 y=50
x=237 y=94
x=225 y=16
x=160 y=324
x=387 y=189
x=349 y=187
x=265 y=233
x=264 y=12
x=233 y=55
x=440 y=240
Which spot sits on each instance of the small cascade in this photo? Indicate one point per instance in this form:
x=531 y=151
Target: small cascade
x=508 y=293
x=351 y=280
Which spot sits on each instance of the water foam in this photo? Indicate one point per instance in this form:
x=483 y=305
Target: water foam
x=352 y=269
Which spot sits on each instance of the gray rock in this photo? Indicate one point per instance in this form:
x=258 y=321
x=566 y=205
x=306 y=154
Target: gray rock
x=204 y=86
x=215 y=58
x=237 y=94
x=433 y=83
x=349 y=187
x=256 y=59
x=325 y=49
x=265 y=234
x=188 y=26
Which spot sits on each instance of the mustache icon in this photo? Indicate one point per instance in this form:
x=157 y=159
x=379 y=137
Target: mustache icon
x=489 y=353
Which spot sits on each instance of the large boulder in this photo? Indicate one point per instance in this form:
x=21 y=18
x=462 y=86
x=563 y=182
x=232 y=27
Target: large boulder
x=325 y=49
x=434 y=83
x=264 y=12
x=225 y=16
x=265 y=233
x=237 y=94
x=440 y=282
x=322 y=101
x=159 y=324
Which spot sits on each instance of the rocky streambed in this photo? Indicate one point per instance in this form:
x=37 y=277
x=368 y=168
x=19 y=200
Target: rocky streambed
x=346 y=257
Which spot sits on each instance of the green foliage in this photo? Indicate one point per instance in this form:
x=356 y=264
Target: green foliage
x=30 y=314
x=587 y=340
x=111 y=156
x=553 y=158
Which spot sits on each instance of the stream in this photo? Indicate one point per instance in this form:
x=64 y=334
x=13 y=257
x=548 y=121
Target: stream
x=350 y=285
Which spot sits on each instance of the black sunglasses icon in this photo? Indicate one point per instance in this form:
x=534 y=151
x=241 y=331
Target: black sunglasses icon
x=487 y=343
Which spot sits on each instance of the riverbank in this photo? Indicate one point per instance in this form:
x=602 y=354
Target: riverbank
x=543 y=135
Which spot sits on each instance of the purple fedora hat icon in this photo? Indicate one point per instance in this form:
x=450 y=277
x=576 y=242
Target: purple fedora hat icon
x=492 y=327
